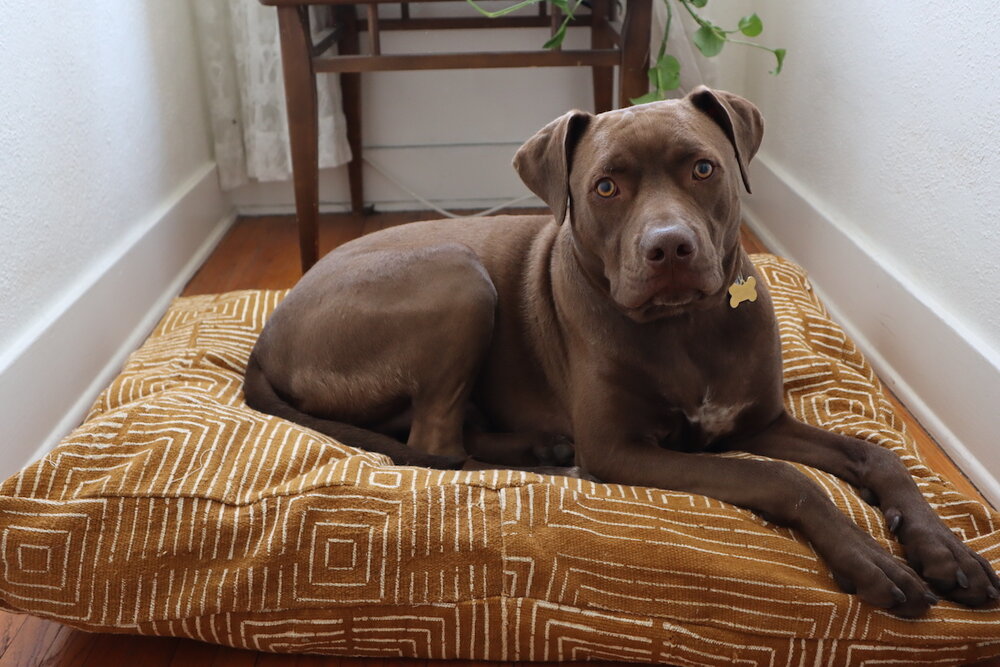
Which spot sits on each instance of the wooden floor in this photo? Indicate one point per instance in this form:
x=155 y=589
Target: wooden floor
x=262 y=253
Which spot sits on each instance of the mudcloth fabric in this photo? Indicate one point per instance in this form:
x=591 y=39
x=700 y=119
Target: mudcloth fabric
x=176 y=510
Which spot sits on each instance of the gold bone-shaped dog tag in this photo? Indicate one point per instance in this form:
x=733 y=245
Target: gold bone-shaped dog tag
x=741 y=291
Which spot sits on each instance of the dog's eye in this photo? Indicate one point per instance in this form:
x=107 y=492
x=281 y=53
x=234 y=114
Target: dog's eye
x=703 y=169
x=606 y=188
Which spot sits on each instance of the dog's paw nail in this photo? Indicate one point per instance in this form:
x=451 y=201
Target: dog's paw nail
x=992 y=593
x=898 y=594
x=931 y=599
x=894 y=518
x=963 y=580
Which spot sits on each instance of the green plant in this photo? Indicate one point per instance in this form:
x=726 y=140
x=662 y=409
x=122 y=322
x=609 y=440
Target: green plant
x=665 y=73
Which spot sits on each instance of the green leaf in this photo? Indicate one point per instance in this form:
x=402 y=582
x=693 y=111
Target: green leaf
x=709 y=40
x=698 y=3
x=561 y=4
x=651 y=96
x=779 y=54
x=668 y=73
x=556 y=39
x=751 y=26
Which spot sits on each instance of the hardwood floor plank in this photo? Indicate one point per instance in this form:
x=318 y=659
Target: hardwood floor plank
x=191 y=653
x=70 y=648
x=235 y=657
x=10 y=625
x=31 y=643
x=275 y=660
x=317 y=661
x=231 y=257
x=124 y=650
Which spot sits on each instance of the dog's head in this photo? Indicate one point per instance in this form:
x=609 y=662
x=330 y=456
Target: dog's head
x=652 y=194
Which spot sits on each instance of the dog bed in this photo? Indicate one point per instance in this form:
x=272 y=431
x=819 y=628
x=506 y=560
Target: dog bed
x=176 y=510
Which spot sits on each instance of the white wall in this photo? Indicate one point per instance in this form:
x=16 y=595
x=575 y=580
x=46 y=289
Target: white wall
x=108 y=193
x=879 y=172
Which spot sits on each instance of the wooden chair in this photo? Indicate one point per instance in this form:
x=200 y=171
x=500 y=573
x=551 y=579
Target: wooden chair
x=303 y=60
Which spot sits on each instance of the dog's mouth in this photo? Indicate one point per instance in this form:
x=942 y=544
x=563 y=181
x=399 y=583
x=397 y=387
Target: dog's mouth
x=657 y=296
x=668 y=298
x=663 y=304
x=675 y=297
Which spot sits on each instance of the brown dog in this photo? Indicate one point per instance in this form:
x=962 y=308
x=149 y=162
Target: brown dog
x=611 y=327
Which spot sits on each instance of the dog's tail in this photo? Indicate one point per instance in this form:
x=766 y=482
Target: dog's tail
x=260 y=395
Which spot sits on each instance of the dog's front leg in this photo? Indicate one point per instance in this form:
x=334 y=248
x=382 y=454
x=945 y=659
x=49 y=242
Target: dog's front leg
x=951 y=568
x=779 y=492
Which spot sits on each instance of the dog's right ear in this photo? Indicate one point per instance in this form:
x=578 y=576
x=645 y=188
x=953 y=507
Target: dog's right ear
x=544 y=161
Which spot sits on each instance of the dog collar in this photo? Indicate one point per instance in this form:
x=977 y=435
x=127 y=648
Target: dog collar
x=744 y=289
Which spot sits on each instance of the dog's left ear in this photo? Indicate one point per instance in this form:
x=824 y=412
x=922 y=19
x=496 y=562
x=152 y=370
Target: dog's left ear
x=738 y=118
x=544 y=161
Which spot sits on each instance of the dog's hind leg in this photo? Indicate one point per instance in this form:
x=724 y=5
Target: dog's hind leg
x=387 y=339
x=464 y=300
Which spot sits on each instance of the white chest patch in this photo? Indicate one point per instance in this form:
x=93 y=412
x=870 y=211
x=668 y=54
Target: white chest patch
x=716 y=419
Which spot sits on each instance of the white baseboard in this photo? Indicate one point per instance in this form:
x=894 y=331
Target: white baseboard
x=394 y=206
x=945 y=374
x=50 y=378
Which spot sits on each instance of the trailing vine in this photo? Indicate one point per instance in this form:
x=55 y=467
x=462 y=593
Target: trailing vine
x=665 y=73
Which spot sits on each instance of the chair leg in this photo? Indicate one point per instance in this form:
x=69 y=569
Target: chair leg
x=350 y=88
x=635 y=51
x=603 y=77
x=303 y=126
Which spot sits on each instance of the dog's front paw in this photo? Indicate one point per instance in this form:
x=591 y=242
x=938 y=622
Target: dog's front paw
x=953 y=570
x=859 y=565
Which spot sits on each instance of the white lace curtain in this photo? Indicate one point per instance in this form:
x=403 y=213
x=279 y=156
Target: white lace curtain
x=241 y=61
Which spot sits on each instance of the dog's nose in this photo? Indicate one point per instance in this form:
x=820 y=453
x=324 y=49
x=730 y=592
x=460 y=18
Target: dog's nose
x=664 y=245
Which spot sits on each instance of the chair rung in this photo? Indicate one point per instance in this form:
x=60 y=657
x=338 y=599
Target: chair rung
x=471 y=23
x=591 y=58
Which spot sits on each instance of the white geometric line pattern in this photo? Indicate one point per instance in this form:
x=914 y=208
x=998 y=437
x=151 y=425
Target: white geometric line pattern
x=175 y=510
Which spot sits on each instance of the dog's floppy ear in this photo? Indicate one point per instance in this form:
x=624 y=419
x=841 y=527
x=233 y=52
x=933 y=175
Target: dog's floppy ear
x=738 y=118
x=544 y=161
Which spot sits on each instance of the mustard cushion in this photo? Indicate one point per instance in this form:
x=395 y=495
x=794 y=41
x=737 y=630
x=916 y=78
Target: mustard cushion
x=176 y=510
